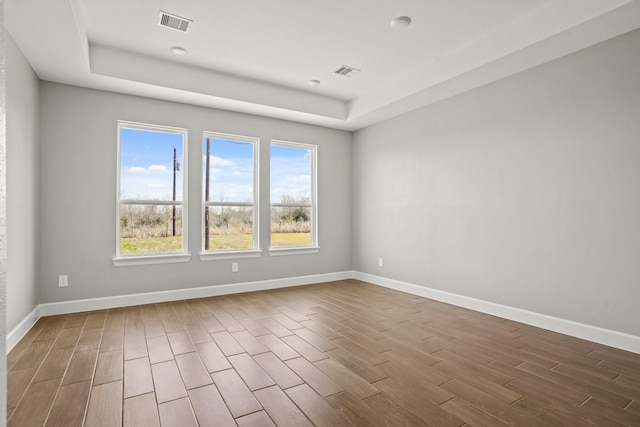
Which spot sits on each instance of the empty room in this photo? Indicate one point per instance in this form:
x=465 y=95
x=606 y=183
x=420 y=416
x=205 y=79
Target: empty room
x=334 y=213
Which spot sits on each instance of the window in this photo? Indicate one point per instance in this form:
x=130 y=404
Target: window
x=151 y=204
x=293 y=198
x=230 y=196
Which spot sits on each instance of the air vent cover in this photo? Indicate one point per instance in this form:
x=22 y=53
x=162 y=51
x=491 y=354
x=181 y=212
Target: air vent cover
x=347 y=71
x=173 y=21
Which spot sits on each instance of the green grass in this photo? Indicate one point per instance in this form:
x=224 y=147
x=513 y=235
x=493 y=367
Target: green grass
x=151 y=245
x=230 y=242
x=162 y=245
x=290 y=239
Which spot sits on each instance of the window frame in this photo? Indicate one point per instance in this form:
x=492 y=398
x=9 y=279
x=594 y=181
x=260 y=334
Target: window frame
x=314 y=247
x=255 y=251
x=153 y=258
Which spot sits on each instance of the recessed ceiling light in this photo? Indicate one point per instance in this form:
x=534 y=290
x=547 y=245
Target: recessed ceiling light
x=401 y=22
x=314 y=82
x=178 y=50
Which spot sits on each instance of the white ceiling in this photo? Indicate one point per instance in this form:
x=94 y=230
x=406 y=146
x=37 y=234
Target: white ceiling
x=257 y=56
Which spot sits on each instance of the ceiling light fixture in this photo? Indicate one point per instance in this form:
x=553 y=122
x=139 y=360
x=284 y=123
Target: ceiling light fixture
x=314 y=82
x=401 y=22
x=178 y=50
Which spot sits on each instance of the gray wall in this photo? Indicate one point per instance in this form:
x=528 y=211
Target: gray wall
x=78 y=190
x=525 y=192
x=22 y=185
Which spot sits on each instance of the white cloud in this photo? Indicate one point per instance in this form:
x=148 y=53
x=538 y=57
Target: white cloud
x=219 y=161
x=158 y=168
x=138 y=169
x=236 y=173
x=152 y=185
x=215 y=170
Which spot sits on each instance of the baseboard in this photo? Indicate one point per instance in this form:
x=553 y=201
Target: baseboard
x=77 y=306
x=579 y=330
x=22 y=328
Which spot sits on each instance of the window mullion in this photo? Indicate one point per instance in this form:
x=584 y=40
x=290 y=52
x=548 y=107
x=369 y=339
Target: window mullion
x=152 y=202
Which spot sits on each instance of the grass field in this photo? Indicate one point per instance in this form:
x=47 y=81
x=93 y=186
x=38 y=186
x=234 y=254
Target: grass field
x=159 y=245
x=151 y=245
x=290 y=239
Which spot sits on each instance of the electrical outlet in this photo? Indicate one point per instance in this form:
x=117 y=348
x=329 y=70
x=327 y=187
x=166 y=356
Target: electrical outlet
x=63 y=281
x=380 y=262
x=234 y=267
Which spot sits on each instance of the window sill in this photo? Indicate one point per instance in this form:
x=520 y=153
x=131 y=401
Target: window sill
x=216 y=255
x=301 y=250
x=123 y=261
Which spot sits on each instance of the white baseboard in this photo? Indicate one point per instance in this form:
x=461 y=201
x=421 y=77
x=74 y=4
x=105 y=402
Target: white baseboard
x=22 y=328
x=579 y=330
x=77 y=306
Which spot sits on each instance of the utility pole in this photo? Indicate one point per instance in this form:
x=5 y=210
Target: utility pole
x=175 y=169
x=206 y=198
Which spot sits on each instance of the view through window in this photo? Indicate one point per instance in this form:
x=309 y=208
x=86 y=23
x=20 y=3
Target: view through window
x=293 y=199
x=230 y=187
x=151 y=189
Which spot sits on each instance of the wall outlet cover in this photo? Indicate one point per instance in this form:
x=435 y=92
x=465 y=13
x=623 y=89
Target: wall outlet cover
x=63 y=281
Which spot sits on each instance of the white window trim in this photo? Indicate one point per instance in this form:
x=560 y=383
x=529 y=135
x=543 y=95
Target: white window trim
x=150 y=259
x=120 y=260
x=314 y=247
x=294 y=250
x=230 y=254
x=255 y=251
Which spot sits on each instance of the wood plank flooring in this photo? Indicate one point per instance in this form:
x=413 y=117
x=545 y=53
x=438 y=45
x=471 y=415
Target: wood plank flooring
x=332 y=354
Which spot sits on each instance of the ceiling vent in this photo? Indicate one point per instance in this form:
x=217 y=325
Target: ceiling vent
x=173 y=21
x=347 y=71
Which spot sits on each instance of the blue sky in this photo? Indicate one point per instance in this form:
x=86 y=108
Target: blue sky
x=231 y=166
x=230 y=170
x=146 y=164
x=290 y=172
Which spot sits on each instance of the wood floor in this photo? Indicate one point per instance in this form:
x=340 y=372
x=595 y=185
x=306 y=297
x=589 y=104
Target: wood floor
x=334 y=354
